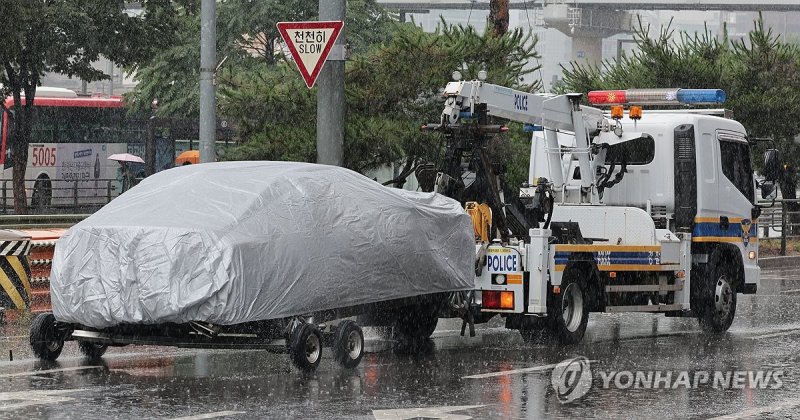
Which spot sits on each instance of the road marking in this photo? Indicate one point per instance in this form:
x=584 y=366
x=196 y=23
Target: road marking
x=39 y=372
x=211 y=415
x=31 y=397
x=786 y=292
x=777 y=334
x=444 y=413
x=751 y=412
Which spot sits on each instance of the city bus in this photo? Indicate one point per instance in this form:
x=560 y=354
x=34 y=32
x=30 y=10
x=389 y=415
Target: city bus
x=71 y=140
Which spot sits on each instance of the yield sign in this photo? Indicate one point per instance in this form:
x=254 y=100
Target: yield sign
x=310 y=43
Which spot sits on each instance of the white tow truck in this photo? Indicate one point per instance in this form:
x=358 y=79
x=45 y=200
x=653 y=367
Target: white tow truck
x=627 y=211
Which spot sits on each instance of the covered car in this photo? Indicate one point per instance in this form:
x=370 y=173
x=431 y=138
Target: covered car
x=235 y=242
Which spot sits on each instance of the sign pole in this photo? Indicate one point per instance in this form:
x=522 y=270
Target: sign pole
x=208 y=63
x=330 y=93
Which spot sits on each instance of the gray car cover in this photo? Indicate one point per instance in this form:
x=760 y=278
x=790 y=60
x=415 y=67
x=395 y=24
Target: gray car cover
x=234 y=242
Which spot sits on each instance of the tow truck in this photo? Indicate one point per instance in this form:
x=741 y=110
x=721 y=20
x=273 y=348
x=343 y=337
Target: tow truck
x=622 y=211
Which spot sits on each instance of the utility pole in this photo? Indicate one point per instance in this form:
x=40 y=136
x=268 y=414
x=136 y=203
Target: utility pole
x=208 y=63
x=330 y=92
x=498 y=17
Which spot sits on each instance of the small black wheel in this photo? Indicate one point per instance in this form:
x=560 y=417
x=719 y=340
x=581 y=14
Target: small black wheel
x=418 y=322
x=305 y=347
x=718 y=307
x=46 y=342
x=92 y=351
x=569 y=313
x=348 y=344
x=534 y=330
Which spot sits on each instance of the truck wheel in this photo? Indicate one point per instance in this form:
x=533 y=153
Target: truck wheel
x=92 y=351
x=46 y=342
x=569 y=313
x=534 y=330
x=348 y=345
x=416 y=323
x=305 y=347
x=719 y=305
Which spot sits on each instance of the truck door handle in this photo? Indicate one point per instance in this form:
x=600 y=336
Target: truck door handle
x=724 y=223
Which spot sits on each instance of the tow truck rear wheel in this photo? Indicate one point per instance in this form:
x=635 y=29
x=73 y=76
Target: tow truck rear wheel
x=92 y=351
x=569 y=312
x=305 y=347
x=418 y=322
x=348 y=344
x=719 y=305
x=46 y=341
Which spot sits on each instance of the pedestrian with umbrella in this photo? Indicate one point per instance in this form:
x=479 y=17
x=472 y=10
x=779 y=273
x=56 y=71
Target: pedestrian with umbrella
x=124 y=173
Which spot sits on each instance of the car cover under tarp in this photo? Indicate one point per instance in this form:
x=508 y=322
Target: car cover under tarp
x=233 y=242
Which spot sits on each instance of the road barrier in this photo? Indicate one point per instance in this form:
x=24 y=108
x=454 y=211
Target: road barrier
x=15 y=273
x=780 y=222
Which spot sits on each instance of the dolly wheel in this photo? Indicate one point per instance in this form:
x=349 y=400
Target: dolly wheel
x=305 y=347
x=92 y=351
x=348 y=345
x=46 y=342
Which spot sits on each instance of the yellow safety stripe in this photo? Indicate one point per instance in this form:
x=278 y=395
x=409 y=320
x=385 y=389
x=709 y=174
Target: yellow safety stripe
x=11 y=290
x=716 y=219
x=21 y=274
x=731 y=239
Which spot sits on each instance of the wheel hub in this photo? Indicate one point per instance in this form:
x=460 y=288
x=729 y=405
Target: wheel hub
x=572 y=307
x=353 y=345
x=723 y=296
x=312 y=348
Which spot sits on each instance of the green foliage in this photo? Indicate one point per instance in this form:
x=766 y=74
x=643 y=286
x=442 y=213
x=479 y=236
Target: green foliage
x=66 y=36
x=391 y=89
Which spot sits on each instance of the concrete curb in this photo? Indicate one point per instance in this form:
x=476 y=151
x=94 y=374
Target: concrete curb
x=780 y=262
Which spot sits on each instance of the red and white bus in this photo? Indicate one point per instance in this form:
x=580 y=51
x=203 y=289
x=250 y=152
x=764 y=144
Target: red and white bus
x=71 y=139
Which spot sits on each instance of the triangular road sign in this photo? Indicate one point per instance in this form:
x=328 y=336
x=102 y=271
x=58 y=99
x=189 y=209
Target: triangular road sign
x=310 y=43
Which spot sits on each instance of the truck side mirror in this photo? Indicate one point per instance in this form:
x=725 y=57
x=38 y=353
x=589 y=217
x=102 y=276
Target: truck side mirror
x=768 y=190
x=772 y=162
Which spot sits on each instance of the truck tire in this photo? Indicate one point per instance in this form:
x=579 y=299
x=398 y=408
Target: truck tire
x=92 y=351
x=305 y=347
x=718 y=306
x=348 y=344
x=45 y=340
x=417 y=322
x=569 y=312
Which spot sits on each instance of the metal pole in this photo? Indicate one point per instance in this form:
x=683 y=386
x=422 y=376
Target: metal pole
x=783 y=227
x=208 y=63
x=330 y=92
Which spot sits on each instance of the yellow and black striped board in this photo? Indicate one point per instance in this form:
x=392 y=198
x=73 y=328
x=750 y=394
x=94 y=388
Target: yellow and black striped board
x=15 y=273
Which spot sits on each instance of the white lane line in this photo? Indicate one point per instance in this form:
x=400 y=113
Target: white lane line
x=777 y=334
x=542 y=368
x=39 y=372
x=21 y=399
x=752 y=412
x=786 y=292
x=443 y=413
x=211 y=415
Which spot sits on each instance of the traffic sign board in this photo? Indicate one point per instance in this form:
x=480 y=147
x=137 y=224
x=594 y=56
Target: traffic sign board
x=310 y=43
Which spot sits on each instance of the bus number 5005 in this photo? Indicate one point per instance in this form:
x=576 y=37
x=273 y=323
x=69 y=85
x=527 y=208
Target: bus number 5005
x=44 y=156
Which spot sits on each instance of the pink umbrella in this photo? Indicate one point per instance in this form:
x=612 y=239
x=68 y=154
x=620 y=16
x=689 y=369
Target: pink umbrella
x=125 y=157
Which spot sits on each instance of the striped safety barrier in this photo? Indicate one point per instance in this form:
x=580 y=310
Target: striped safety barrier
x=15 y=272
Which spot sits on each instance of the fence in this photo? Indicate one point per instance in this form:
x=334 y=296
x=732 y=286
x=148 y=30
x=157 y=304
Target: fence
x=59 y=196
x=779 y=221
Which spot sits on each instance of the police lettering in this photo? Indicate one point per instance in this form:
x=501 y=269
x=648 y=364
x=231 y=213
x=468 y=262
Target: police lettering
x=501 y=263
x=521 y=102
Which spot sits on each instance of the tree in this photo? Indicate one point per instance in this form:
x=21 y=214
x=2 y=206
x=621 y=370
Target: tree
x=391 y=90
x=64 y=36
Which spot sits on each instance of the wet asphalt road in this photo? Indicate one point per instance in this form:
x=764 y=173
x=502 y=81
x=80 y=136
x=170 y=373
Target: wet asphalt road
x=493 y=375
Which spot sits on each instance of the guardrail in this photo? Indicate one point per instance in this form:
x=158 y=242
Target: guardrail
x=61 y=196
x=780 y=222
x=40 y=221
